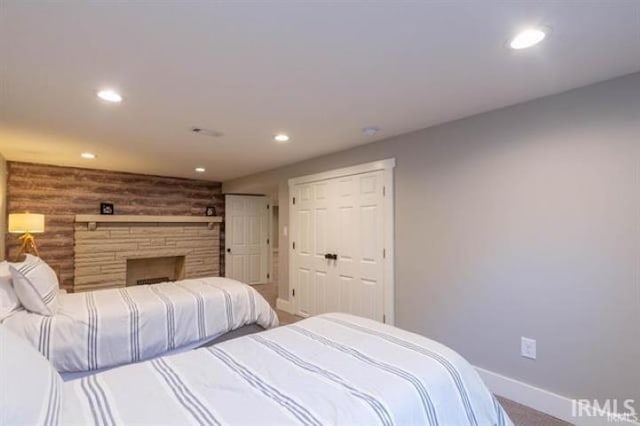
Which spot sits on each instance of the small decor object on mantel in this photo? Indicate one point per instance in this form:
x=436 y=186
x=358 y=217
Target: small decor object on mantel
x=211 y=211
x=106 y=208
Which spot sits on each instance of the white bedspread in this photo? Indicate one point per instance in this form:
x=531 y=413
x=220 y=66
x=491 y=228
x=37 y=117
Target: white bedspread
x=326 y=370
x=105 y=328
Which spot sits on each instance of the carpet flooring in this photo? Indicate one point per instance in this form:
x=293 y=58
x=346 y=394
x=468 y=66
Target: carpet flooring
x=521 y=415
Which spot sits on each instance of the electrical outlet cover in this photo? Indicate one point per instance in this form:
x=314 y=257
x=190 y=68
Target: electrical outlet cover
x=528 y=348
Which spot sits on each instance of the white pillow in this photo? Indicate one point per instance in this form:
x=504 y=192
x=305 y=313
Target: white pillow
x=8 y=299
x=31 y=389
x=36 y=285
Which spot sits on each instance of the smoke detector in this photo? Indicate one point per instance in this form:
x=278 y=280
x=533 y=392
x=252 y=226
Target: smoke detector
x=370 y=131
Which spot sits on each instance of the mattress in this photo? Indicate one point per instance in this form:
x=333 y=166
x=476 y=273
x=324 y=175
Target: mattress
x=106 y=328
x=327 y=370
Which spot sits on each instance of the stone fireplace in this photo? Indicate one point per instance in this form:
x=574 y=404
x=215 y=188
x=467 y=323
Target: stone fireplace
x=152 y=270
x=117 y=251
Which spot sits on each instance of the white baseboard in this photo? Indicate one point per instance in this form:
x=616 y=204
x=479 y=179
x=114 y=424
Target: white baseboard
x=284 y=305
x=547 y=402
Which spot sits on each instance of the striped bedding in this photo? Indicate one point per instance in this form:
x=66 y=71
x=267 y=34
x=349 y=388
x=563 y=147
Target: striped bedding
x=105 y=328
x=326 y=370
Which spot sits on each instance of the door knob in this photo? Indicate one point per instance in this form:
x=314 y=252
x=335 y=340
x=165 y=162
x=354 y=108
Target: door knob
x=228 y=250
x=327 y=255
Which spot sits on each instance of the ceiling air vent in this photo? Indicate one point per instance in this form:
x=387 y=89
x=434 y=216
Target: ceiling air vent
x=206 y=132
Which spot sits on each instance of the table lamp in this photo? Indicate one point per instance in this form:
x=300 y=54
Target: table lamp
x=26 y=224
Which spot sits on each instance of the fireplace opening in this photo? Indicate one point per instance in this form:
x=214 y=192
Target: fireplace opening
x=146 y=281
x=153 y=270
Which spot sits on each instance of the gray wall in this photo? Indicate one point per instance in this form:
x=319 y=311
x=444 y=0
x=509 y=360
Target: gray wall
x=519 y=222
x=3 y=206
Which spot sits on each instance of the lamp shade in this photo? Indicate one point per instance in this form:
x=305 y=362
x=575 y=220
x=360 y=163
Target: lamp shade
x=23 y=223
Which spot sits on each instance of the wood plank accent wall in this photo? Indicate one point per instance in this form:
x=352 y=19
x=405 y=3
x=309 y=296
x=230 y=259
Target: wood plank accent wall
x=62 y=192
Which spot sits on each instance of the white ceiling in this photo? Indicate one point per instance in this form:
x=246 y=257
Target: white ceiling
x=320 y=71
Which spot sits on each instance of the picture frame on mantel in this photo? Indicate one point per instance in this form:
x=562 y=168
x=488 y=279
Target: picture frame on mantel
x=107 y=208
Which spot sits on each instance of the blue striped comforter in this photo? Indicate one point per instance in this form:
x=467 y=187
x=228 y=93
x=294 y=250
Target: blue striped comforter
x=329 y=369
x=105 y=328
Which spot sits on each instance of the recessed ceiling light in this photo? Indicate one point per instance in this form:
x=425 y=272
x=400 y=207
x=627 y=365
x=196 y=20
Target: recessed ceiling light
x=110 y=96
x=200 y=169
x=88 y=155
x=281 y=137
x=527 y=38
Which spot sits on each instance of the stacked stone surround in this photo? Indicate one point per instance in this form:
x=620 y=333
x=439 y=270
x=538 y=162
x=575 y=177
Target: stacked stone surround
x=101 y=254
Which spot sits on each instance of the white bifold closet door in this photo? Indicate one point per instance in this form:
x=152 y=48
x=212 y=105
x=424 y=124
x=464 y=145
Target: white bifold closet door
x=339 y=233
x=246 y=238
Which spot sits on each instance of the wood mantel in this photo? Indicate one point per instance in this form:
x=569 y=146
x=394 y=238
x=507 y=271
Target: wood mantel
x=137 y=218
x=93 y=219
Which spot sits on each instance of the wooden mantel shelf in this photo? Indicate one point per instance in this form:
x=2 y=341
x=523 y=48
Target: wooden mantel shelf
x=134 y=218
x=93 y=219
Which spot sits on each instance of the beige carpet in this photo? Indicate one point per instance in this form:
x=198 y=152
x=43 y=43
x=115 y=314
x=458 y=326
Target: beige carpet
x=521 y=415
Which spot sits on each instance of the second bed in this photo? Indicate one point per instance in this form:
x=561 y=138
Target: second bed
x=105 y=328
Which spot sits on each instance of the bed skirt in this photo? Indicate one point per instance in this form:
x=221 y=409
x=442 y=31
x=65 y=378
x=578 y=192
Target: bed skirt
x=242 y=331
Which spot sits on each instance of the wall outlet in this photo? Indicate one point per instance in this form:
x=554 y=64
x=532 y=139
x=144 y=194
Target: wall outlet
x=528 y=348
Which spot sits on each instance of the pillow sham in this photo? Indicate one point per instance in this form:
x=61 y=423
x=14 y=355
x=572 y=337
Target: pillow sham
x=9 y=302
x=31 y=389
x=36 y=285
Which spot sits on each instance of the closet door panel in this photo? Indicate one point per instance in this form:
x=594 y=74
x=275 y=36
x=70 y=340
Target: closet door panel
x=313 y=239
x=305 y=242
x=369 y=287
x=305 y=291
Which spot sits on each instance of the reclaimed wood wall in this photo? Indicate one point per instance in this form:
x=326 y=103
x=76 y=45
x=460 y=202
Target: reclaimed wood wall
x=60 y=193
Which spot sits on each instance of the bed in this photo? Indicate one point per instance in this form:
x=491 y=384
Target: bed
x=325 y=370
x=96 y=330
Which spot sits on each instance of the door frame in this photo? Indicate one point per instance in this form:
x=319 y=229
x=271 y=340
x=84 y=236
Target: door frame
x=270 y=238
x=386 y=166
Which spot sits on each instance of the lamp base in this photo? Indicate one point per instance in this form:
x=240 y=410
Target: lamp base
x=28 y=246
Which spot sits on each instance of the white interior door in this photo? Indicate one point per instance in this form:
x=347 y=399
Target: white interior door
x=340 y=228
x=246 y=238
x=359 y=245
x=313 y=238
